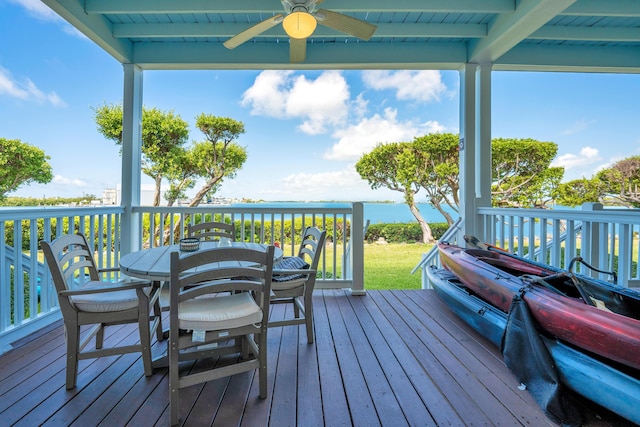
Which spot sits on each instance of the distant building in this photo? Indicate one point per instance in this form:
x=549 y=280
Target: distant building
x=110 y=196
x=147 y=192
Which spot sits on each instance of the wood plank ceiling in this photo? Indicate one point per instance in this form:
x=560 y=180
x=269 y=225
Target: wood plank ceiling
x=543 y=35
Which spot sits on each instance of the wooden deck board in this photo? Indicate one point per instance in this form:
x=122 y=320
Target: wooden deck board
x=389 y=358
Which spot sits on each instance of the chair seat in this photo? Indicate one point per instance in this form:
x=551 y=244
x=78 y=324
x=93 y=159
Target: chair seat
x=225 y=312
x=105 y=302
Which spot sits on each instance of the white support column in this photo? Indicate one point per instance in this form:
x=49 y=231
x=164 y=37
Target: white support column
x=483 y=169
x=357 y=249
x=467 y=149
x=475 y=146
x=131 y=157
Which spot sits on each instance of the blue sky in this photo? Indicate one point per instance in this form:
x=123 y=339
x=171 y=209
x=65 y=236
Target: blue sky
x=304 y=130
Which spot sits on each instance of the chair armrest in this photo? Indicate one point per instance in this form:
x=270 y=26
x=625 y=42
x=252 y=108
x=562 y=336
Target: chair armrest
x=110 y=287
x=106 y=270
x=304 y=271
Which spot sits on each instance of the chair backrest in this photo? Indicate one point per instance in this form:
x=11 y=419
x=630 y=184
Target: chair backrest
x=71 y=263
x=212 y=230
x=311 y=246
x=222 y=269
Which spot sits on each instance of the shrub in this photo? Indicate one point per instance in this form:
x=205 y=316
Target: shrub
x=402 y=232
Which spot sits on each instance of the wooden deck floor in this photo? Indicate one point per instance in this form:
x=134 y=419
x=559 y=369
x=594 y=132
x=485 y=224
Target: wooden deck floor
x=390 y=358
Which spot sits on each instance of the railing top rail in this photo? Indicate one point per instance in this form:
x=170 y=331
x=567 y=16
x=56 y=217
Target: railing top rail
x=346 y=209
x=35 y=212
x=623 y=216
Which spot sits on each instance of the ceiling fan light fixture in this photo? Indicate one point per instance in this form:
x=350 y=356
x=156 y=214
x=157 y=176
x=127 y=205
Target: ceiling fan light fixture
x=299 y=25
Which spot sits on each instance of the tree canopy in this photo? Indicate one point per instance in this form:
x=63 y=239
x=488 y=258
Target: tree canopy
x=618 y=184
x=438 y=170
x=20 y=164
x=219 y=157
x=165 y=157
x=522 y=175
x=394 y=166
x=163 y=136
x=621 y=182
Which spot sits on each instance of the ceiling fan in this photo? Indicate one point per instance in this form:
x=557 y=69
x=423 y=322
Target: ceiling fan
x=300 y=22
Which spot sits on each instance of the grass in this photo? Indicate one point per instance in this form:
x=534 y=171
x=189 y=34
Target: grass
x=389 y=266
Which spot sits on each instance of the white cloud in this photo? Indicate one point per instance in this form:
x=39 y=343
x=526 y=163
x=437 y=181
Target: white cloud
x=322 y=186
x=587 y=156
x=282 y=94
x=267 y=96
x=360 y=138
x=27 y=90
x=578 y=126
x=424 y=86
x=582 y=165
x=432 y=126
x=59 y=179
x=359 y=106
x=38 y=10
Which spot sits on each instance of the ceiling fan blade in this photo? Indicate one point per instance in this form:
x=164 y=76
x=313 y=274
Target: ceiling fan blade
x=297 y=50
x=251 y=32
x=346 y=24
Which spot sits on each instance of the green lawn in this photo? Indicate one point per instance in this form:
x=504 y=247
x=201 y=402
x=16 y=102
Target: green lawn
x=389 y=266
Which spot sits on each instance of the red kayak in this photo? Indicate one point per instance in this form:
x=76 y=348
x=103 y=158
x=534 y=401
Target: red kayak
x=591 y=314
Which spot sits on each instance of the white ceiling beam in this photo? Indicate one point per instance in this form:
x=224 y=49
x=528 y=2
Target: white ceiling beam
x=165 y=30
x=596 y=34
x=619 y=8
x=510 y=29
x=255 y=6
x=181 y=56
x=589 y=59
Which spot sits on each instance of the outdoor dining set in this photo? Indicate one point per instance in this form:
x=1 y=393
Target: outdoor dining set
x=215 y=290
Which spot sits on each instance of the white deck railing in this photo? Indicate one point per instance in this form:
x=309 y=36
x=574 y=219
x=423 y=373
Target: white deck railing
x=28 y=300
x=343 y=224
x=605 y=238
x=432 y=257
x=27 y=296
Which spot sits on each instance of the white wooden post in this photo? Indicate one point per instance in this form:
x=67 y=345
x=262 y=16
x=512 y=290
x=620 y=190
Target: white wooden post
x=357 y=249
x=475 y=146
x=483 y=169
x=467 y=149
x=590 y=245
x=131 y=158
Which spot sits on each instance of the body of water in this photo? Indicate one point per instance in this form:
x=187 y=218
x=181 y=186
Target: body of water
x=376 y=213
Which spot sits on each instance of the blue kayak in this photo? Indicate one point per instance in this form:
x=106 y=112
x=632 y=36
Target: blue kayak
x=593 y=379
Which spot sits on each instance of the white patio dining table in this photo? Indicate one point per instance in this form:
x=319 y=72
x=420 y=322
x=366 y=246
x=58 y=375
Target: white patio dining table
x=154 y=264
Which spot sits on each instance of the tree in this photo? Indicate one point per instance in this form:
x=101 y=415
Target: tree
x=182 y=176
x=522 y=175
x=438 y=170
x=579 y=191
x=163 y=136
x=618 y=184
x=521 y=172
x=219 y=157
x=394 y=166
x=22 y=163
x=621 y=182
